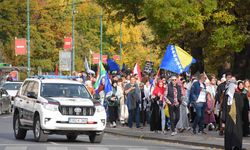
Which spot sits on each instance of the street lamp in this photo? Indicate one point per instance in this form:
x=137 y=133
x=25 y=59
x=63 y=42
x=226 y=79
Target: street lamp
x=73 y=41
x=101 y=37
x=121 y=39
x=28 y=34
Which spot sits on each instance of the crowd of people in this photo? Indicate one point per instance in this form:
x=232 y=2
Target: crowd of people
x=199 y=103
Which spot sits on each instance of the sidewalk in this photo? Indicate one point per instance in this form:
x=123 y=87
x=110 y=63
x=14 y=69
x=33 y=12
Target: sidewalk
x=211 y=139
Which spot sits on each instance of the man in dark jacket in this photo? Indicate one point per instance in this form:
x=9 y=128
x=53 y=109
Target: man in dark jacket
x=198 y=100
x=173 y=92
x=132 y=92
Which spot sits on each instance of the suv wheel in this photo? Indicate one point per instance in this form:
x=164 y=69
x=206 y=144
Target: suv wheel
x=71 y=137
x=96 y=138
x=39 y=135
x=18 y=131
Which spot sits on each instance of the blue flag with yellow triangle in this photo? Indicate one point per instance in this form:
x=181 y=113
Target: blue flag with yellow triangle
x=176 y=60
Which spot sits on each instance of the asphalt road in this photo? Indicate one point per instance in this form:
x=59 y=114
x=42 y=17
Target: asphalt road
x=59 y=142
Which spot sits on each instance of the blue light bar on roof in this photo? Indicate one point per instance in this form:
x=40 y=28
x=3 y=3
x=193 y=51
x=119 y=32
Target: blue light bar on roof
x=57 y=77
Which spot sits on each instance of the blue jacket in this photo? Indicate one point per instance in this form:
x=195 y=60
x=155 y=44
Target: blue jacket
x=195 y=91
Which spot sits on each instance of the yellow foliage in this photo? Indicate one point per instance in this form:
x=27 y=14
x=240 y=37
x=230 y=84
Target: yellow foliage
x=223 y=17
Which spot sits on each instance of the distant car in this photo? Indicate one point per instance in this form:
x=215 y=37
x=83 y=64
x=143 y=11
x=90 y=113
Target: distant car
x=12 y=87
x=5 y=102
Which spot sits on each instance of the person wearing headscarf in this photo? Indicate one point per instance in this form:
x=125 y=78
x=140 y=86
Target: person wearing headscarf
x=157 y=97
x=243 y=93
x=113 y=105
x=247 y=104
x=183 y=122
x=219 y=97
x=232 y=116
x=209 y=120
x=123 y=107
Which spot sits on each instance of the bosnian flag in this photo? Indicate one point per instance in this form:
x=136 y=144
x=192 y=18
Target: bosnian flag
x=176 y=60
x=137 y=71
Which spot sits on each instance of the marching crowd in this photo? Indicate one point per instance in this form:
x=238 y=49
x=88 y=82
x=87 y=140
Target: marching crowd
x=176 y=103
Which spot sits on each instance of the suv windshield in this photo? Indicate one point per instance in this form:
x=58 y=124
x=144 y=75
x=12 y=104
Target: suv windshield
x=12 y=86
x=64 y=90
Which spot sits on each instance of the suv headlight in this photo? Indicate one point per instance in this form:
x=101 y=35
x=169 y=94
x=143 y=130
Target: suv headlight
x=99 y=108
x=53 y=106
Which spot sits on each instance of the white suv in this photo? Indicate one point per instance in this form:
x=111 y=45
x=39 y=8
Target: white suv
x=57 y=106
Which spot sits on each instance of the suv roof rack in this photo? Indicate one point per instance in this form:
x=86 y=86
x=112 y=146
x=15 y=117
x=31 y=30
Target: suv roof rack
x=54 y=77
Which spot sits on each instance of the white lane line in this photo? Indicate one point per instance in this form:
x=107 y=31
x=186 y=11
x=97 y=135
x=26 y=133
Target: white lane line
x=15 y=148
x=54 y=143
x=6 y=117
x=98 y=148
x=57 y=148
x=137 y=149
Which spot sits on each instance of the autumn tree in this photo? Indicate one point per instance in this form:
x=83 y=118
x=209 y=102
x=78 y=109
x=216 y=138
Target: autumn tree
x=209 y=29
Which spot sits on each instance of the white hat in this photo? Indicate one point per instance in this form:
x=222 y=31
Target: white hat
x=173 y=77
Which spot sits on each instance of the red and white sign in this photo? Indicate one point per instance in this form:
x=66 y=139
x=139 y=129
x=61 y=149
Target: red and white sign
x=67 y=43
x=20 y=47
x=116 y=57
x=96 y=58
x=104 y=59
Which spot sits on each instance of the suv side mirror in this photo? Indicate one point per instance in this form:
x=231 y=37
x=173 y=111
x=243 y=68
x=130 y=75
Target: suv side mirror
x=31 y=95
x=96 y=97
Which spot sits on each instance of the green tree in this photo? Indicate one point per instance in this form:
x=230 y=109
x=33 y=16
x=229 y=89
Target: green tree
x=209 y=28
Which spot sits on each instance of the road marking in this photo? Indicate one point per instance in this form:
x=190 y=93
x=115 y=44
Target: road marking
x=54 y=143
x=5 y=117
x=137 y=149
x=57 y=148
x=16 y=148
x=98 y=148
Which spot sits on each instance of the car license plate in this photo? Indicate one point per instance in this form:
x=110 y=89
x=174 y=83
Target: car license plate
x=78 y=120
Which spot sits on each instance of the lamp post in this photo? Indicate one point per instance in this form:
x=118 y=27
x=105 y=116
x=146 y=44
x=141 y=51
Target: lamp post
x=28 y=35
x=73 y=41
x=121 y=39
x=101 y=37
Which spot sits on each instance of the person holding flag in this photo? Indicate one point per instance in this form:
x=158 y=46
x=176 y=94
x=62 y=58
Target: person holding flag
x=102 y=85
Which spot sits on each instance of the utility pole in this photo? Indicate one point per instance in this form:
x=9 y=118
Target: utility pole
x=73 y=41
x=28 y=35
x=101 y=37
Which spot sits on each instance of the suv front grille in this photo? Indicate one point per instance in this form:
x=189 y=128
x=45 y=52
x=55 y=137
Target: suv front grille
x=77 y=110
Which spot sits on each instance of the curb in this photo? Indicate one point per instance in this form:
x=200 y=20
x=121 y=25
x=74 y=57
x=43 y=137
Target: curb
x=166 y=140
